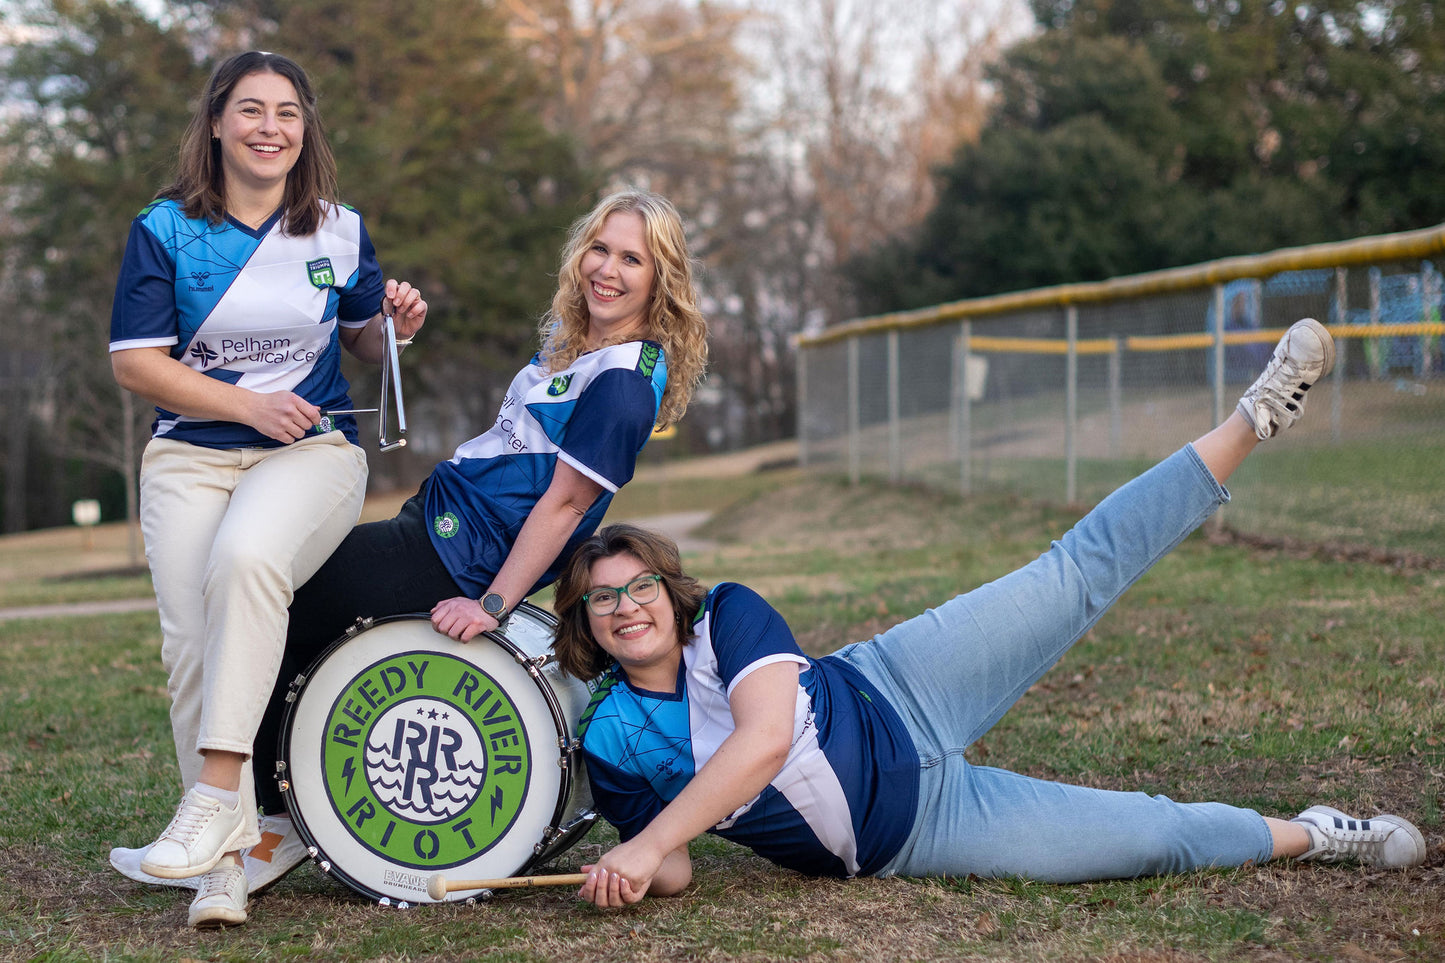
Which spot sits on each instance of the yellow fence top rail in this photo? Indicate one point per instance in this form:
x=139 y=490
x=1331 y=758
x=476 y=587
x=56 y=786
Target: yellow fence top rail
x=1362 y=250
x=987 y=344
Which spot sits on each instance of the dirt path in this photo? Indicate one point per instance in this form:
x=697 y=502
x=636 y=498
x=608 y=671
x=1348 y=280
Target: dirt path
x=678 y=524
x=108 y=547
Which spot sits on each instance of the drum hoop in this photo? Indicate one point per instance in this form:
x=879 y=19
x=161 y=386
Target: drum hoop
x=567 y=746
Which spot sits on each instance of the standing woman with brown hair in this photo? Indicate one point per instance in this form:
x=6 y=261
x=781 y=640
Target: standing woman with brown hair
x=240 y=284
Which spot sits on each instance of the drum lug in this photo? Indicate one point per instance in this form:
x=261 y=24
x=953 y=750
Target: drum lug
x=282 y=783
x=532 y=663
x=549 y=836
x=297 y=684
x=557 y=839
x=360 y=625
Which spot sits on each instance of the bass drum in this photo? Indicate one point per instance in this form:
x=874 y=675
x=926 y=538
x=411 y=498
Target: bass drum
x=405 y=753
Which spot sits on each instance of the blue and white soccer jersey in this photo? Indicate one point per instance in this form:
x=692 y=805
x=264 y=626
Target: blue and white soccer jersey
x=255 y=308
x=843 y=802
x=595 y=416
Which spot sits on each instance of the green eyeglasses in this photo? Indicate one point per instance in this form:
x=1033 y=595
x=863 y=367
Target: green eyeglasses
x=604 y=600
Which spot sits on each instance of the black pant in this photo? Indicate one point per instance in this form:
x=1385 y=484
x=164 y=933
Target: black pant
x=381 y=568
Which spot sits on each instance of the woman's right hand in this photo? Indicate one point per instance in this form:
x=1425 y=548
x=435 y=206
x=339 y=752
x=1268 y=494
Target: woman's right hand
x=281 y=415
x=630 y=871
x=152 y=373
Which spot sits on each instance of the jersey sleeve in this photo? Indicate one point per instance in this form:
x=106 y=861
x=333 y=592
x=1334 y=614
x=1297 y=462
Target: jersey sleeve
x=748 y=633
x=622 y=798
x=144 y=313
x=609 y=426
x=361 y=295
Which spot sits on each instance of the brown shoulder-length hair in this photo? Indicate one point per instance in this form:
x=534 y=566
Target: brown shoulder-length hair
x=577 y=651
x=311 y=187
x=673 y=318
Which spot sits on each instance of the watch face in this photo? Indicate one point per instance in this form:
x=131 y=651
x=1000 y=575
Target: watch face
x=493 y=604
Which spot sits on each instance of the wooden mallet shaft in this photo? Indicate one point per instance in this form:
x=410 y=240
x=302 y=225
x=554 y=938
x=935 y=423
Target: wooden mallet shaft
x=439 y=886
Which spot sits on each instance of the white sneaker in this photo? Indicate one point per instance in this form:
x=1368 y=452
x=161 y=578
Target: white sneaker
x=1388 y=842
x=279 y=851
x=221 y=900
x=127 y=863
x=201 y=832
x=1303 y=356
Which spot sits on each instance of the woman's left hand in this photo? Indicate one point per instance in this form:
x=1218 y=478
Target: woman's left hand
x=408 y=310
x=461 y=618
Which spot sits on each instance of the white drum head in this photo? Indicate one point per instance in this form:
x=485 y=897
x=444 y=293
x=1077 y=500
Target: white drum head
x=409 y=754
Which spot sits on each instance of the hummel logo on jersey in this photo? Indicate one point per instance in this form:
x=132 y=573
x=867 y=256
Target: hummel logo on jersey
x=559 y=385
x=200 y=278
x=321 y=274
x=202 y=351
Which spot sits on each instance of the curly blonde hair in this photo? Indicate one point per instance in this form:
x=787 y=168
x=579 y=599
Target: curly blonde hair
x=673 y=318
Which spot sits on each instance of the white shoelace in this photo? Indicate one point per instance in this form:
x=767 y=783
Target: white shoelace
x=190 y=821
x=219 y=882
x=1343 y=843
x=1282 y=394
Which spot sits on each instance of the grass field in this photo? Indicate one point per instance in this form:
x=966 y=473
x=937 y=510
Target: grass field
x=1271 y=679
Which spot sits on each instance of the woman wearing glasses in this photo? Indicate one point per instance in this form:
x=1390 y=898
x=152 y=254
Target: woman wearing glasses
x=708 y=717
x=623 y=347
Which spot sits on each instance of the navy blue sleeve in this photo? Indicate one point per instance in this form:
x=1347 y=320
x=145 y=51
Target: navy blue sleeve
x=745 y=628
x=612 y=421
x=361 y=299
x=145 y=292
x=623 y=799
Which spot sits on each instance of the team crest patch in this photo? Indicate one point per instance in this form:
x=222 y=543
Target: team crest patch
x=446 y=525
x=426 y=760
x=559 y=385
x=321 y=274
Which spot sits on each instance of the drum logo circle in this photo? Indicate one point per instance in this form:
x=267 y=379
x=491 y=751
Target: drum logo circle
x=426 y=760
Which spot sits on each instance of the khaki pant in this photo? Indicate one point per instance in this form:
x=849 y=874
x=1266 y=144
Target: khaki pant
x=229 y=535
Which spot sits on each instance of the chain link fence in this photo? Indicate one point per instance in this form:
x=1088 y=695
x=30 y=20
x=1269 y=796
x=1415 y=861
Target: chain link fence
x=1064 y=393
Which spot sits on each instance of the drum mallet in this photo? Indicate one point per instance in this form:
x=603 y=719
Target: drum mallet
x=439 y=886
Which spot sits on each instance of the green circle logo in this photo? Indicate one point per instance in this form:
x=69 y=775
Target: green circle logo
x=446 y=525
x=426 y=760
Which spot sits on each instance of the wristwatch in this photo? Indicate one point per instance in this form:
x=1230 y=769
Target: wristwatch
x=494 y=605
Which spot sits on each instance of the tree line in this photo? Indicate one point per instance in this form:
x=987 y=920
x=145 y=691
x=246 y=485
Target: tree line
x=833 y=157
x=1133 y=135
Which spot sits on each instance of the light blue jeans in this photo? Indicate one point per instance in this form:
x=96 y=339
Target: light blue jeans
x=953 y=672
